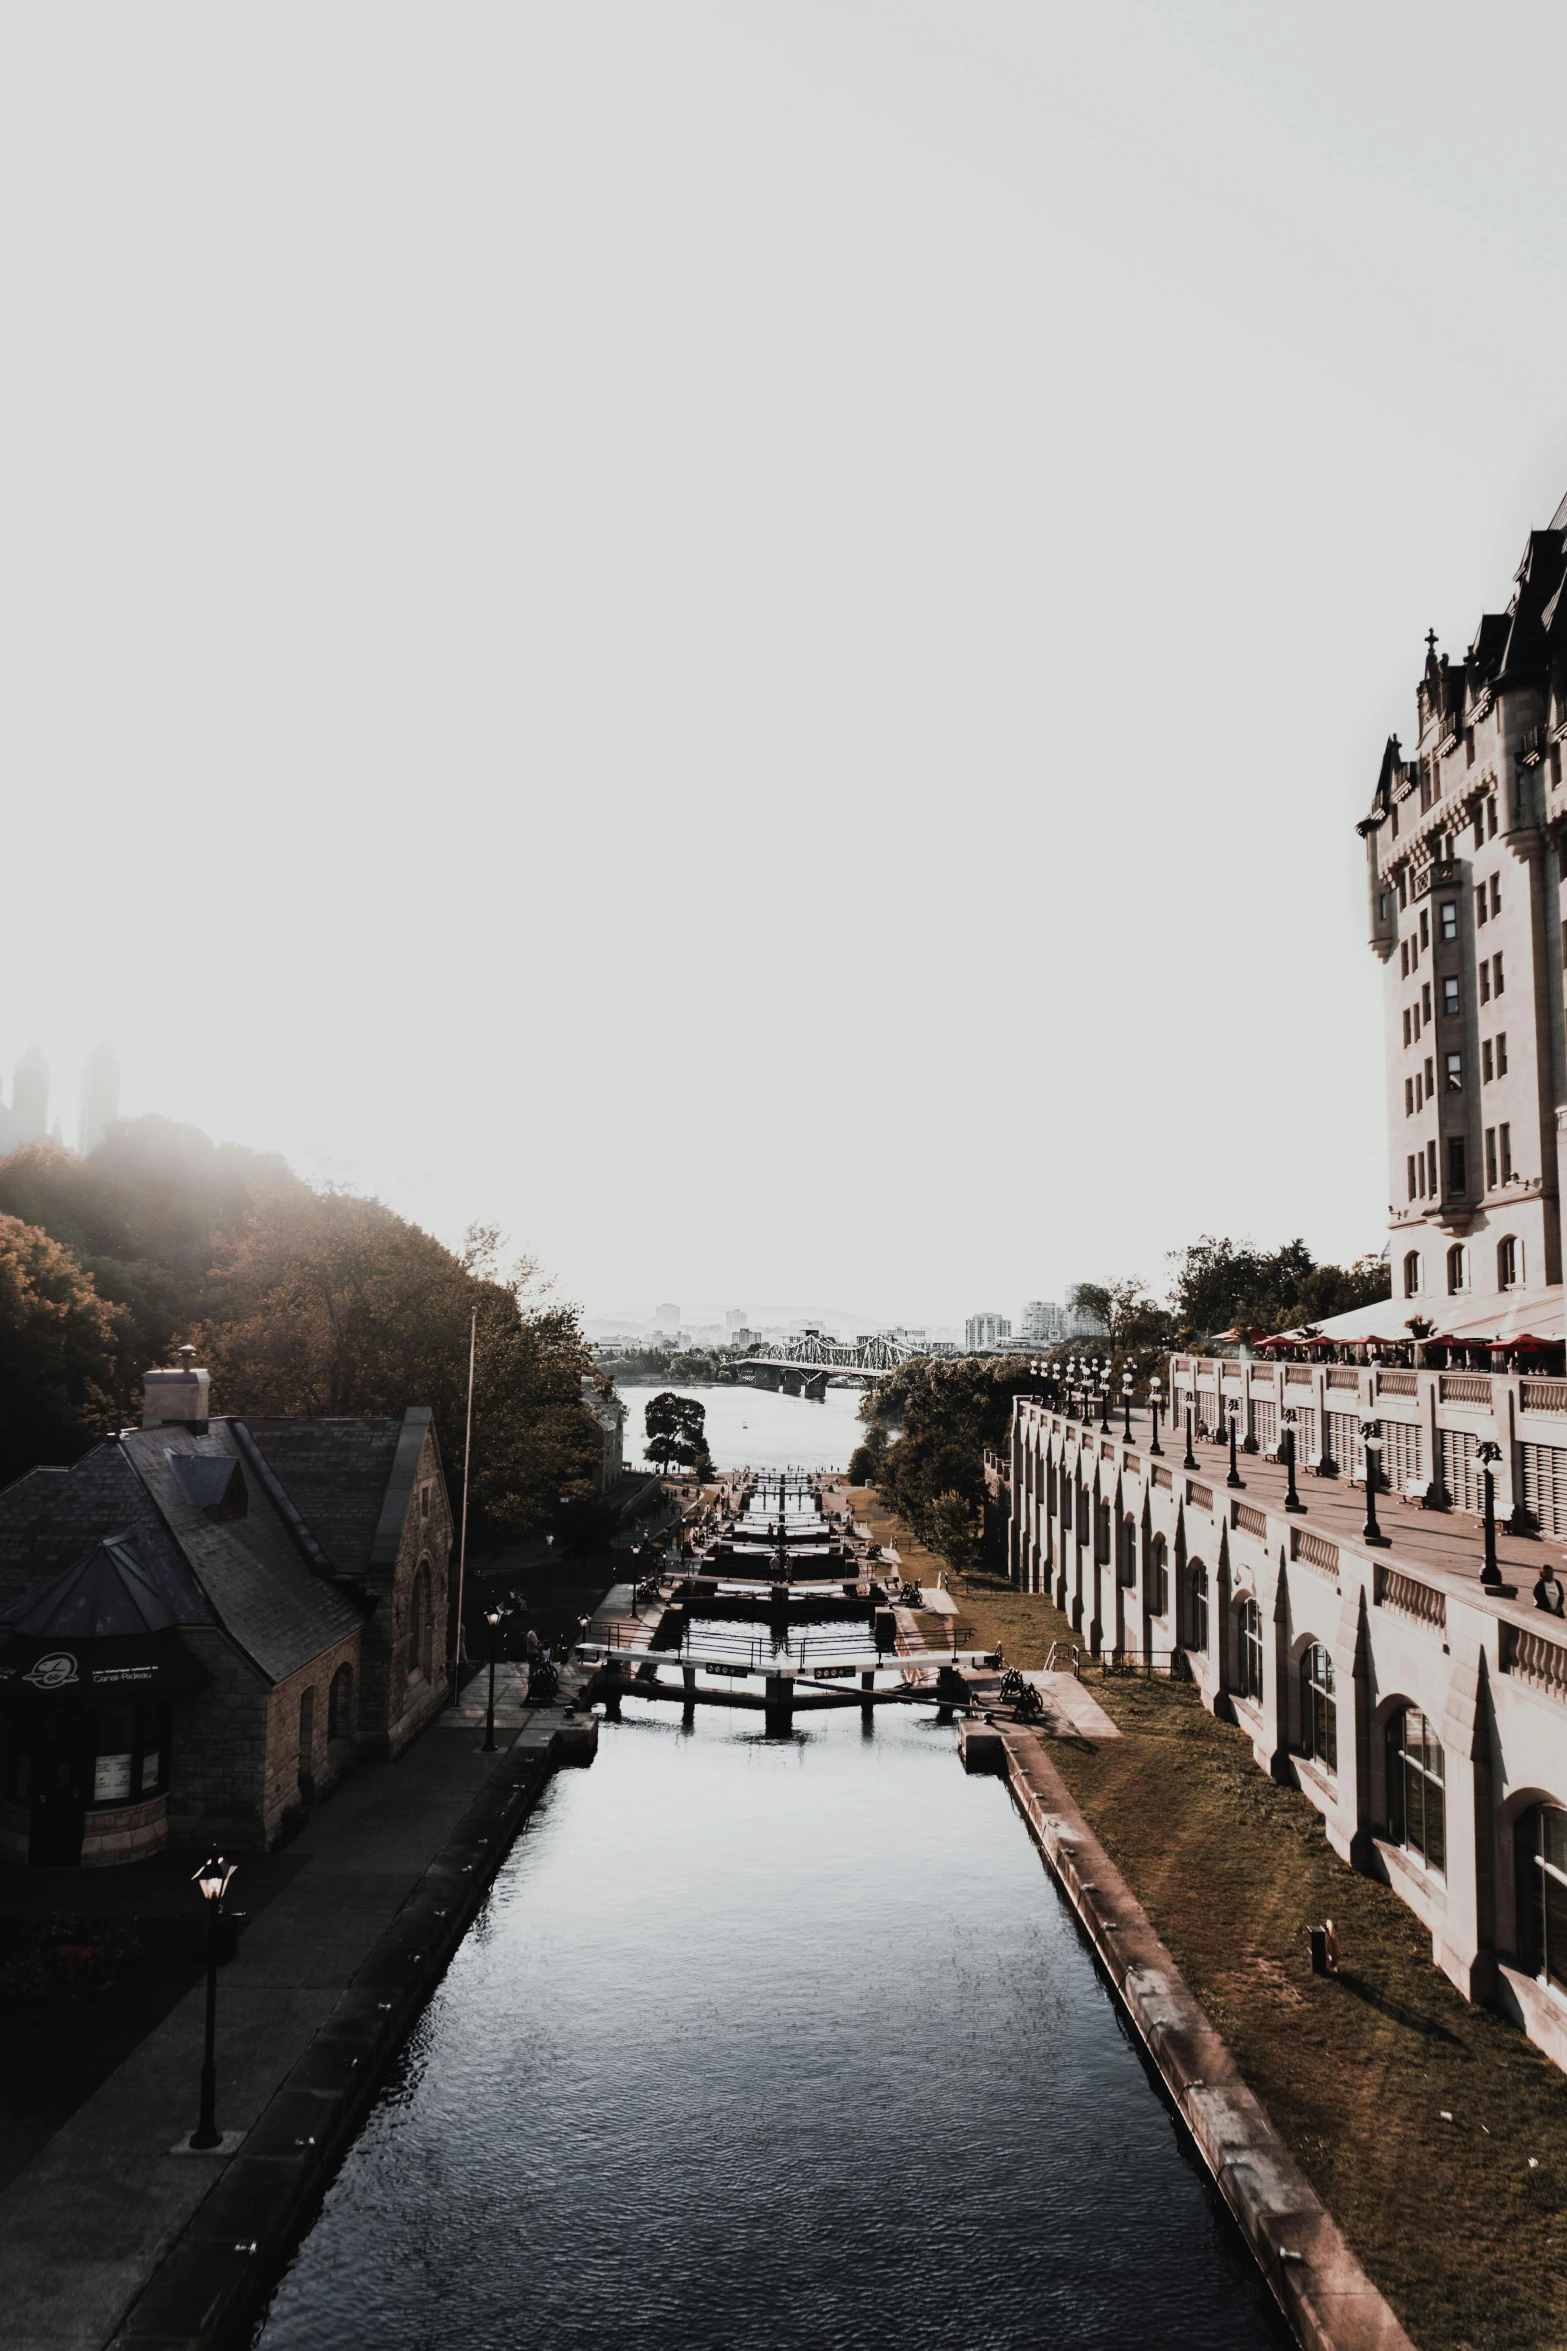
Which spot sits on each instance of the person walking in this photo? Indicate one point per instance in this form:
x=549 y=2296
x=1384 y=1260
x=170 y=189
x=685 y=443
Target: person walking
x=1548 y=1592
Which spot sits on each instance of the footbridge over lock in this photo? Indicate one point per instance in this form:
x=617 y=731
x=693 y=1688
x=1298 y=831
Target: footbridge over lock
x=805 y=1366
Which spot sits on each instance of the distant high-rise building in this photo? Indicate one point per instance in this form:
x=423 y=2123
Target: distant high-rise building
x=100 y=1097
x=734 y=1320
x=1043 y=1322
x=667 y=1319
x=983 y=1330
x=30 y=1095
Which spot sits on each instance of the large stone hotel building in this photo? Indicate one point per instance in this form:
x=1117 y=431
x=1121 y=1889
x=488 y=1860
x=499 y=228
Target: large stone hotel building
x=1414 y=1693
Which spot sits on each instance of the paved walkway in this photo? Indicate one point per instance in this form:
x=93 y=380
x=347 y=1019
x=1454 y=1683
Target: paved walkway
x=84 y=2226
x=1445 y=1541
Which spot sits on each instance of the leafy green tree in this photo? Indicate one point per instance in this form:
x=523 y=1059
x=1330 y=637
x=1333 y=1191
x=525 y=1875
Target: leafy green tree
x=1223 y=1285
x=935 y=1416
x=676 y=1428
x=953 y=1532
x=58 y=1342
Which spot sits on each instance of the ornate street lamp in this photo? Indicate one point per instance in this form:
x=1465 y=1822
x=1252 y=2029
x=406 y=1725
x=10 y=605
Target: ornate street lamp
x=1154 y=1392
x=1126 y=1403
x=213 y=1879
x=1489 y=1454
x=1290 y=1418
x=1191 y=1459
x=1371 y=1438
x=1233 y=1416
x=1104 y=1398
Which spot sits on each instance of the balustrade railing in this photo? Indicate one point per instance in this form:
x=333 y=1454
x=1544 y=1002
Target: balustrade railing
x=1297 y=1375
x=1398 y=1383
x=1341 y=1375
x=1544 y=1396
x=1250 y=1520
x=1532 y=1659
x=1314 y=1550
x=1410 y=1597
x=1200 y=1496
x=1464 y=1387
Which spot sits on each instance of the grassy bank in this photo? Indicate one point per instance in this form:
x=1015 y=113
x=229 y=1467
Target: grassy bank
x=1466 y=2239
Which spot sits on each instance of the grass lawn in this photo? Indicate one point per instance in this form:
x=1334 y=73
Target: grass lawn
x=1468 y=2243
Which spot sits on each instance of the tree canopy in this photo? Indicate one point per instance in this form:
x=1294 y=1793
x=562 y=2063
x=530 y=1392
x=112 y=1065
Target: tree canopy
x=676 y=1431
x=57 y=1348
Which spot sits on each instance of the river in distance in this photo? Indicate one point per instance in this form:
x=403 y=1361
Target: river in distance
x=754 y=1428
x=778 y=2041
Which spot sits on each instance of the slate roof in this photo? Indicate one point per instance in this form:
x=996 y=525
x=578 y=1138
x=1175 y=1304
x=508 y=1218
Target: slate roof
x=110 y=1595
x=227 y=1538
x=335 y=1472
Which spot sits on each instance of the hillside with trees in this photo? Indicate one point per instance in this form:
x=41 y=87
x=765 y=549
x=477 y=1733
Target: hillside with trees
x=298 y=1300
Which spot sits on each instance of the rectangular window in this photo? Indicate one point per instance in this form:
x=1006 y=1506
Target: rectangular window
x=1479 y=827
x=1545 y=1486
x=1430 y=1078
x=1490 y=1159
x=1501 y=1054
x=1425 y=926
x=1407 y=1039
x=1403 y=892
x=1420 y=1091
x=1449 y=918
x=1480 y=907
x=1403 y=954
x=1431 y=1167
x=1485 y=1062
x=1420 y=1173
x=1411 y=1176
x=1455 y=1073
x=1450 y=1005
x=1497 y=982
x=1403 y=1459
x=1457 y=1173
x=1409 y=1097
x=1345 y=1449
x=1469 y=746
x=1425 y=1003
x=1496 y=893
x=1505 y=1138
x=1490 y=818
x=1485 y=983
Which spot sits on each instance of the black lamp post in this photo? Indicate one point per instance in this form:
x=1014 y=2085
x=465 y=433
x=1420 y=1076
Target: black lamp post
x=1126 y=1401
x=1489 y=1453
x=1233 y=1416
x=494 y=1618
x=213 y=1879
x=1371 y=1438
x=1104 y=1398
x=1191 y=1459
x=1290 y=1416
x=1154 y=1391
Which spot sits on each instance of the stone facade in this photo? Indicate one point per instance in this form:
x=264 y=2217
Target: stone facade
x=1320 y=1646
x=1468 y=914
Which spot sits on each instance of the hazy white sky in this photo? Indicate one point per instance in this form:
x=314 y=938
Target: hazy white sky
x=747 y=637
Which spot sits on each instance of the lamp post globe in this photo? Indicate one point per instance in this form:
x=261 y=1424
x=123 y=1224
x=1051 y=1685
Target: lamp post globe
x=1154 y=1391
x=1490 y=1453
x=1291 y=1419
x=1233 y=1416
x=1371 y=1438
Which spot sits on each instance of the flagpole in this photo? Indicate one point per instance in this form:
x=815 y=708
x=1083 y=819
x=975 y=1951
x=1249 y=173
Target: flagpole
x=462 y=1547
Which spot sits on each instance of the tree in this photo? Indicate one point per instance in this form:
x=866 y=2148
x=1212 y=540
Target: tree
x=1221 y=1285
x=953 y=1532
x=676 y=1430
x=935 y=1416
x=58 y=1341
x=337 y=1305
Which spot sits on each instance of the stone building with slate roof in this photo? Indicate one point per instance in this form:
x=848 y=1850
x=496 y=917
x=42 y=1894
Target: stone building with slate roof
x=206 y=1621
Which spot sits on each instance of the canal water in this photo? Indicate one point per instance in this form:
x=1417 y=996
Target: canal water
x=773 y=2041
x=758 y=1429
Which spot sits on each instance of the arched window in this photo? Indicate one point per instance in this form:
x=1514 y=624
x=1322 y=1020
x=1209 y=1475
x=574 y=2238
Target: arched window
x=1318 y=1708
x=1509 y=1264
x=1248 y=1647
x=419 y=1623
x=340 y=1704
x=1129 y=1551
x=1457 y=1270
x=1158 y=1585
x=1412 y=1274
x=1540 y=1844
x=1416 y=1793
x=1197 y=1610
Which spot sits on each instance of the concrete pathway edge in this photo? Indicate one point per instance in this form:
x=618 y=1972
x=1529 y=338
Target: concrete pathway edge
x=217 y=2272
x=1325 y=2295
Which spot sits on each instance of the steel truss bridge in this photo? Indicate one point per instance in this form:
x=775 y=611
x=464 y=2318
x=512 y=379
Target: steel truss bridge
x=805 y=1365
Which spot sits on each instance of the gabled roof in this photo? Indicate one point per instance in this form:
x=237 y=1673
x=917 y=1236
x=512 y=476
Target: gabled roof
x=336 y=1473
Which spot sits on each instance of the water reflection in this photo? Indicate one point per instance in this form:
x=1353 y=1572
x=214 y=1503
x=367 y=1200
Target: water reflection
x=771 y=2041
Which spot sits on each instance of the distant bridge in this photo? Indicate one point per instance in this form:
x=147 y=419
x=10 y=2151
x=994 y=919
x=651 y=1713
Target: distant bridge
x=804 y=1366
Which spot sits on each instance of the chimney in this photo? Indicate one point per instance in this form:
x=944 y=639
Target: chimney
x=176 y=1399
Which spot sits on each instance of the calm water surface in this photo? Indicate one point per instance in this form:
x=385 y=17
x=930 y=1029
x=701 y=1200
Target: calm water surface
x=753 y=1427
x=781 y=2042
